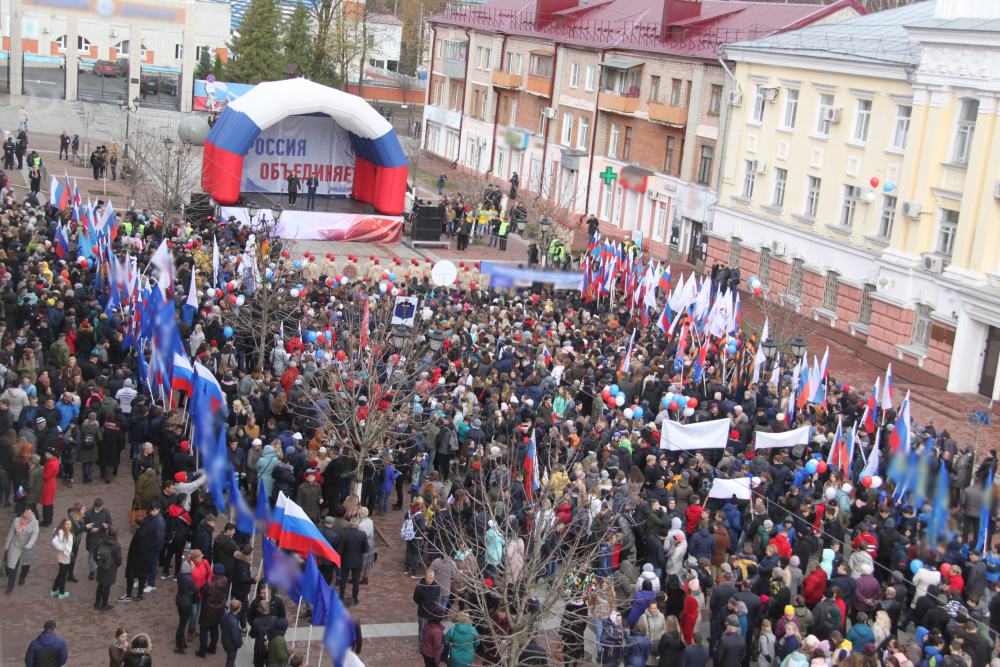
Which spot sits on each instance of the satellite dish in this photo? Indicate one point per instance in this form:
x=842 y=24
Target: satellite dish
x=193 y=130
x=444 y=273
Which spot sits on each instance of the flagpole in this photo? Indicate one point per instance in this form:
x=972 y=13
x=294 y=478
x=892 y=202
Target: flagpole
x=298 y=612
x=309 y=643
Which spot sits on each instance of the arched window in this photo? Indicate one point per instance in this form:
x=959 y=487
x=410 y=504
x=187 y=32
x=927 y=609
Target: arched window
x=122 y=48
x=82 y=43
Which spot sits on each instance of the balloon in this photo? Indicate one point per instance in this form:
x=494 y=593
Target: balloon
x=385 y=275
x=821 y=467
x=329 y=282
x=688 y=412
x=830 y=493
x=606 y=394
x=758 y=292
x=392 y=276
x=614 y=390
x=666 y=402
x=610 y=400
x=692 y=403
x=620 y=400
x=346 y=280
x=320 y=354
x=339 y=278
x=945 y=570
x=312 y=336
x=637 y=412
x=83 y=263
x=341 y=355
x=874 y=181
x=876 y=481
x=297 y=264
x=240 y=300
x=674 y=406
x=628 y=413
x=889 y=187
x=811 y=466
x=382 y=287
x=270 y=274
x=320 y=338
x=916 y=565
x=284 y=253
x=294 y=292
x=230 y=285
x=732 y=348
x=232 y=298
x=866 y=481
x=306 y=254
x=228 y=332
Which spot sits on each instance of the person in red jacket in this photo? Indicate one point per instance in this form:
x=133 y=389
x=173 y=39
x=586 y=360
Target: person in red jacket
x=780 y=541
x=814 y=584
x=693 y=514
x=201 y=572
x=49 y=473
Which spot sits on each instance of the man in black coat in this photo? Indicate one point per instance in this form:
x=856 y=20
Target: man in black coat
x=720 y=598
x=695 y=655
x=427 y=595
x=732 y=646
x=202 y=537
x=328 y=568
x=354 y=546
x=229 y=632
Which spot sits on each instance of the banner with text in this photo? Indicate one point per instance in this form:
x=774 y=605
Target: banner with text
x=303 y=145
x=322 y=226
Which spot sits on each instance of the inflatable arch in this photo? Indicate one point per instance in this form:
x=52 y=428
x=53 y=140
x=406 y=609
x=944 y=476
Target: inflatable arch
x=380 y=164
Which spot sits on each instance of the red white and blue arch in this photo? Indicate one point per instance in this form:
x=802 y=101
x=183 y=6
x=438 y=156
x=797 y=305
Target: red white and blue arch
x=380 y=164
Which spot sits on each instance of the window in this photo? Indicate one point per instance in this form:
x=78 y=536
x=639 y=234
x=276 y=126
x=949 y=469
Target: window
x=758 y=103
x=178 y=52
x=823 y=126
x=862 y=117
x=887 y=217
x=513 y=63
x=687 y=96
x=479 y=57
x=454 y=49
x=628 y=143
x=735 y=251
x=457 y=96
x=540 y=65
x=668 y=162
x=476 y=101
x=705 y=165
x=574 y=75
x=812 y=196
x=583 y=134
x=505 y=111
x=613 y=141
x=715 y=103
x=567 y=129
x=749 y=174
x=654 y=89
x=865 y=311
x=791 y=108
x=452 y=148
x=795 y=278
x=591 y=76
x=764 y=265
x=371 y=43
x=947 y=229
x=675 y=92
x=83 y=44
x=606 y=203
x=921 y=335
x=901 y=126
x=513 y=111
x=484 y=58
x=848 y=207
x=780 y=181
x=438 y=92
x=830 y=290
x=123 y=52
x=966 y=127
x=661 y=221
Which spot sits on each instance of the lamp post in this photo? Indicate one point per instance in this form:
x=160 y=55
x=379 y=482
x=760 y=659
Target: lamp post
x=545 y=224
x=276 y=212
x=123 y=105
x=400 y=335
x=252 y=210
x=798 y=346
x=770 y=349
x=436 y=340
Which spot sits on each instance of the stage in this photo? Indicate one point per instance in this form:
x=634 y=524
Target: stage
x=334 y=219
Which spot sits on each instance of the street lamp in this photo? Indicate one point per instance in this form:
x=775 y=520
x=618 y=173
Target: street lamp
x=276 y=212
x=436 y=340
x=799 y=346
x=770 y=349
x=252 y=210
x=400 y=335
x=123 y=105
x=545 y=224
x=522 y=224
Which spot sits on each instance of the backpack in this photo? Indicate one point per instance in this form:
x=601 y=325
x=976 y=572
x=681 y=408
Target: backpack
x=798 y=451
x=407 y=532
x=89 y=441
x=452 y=441
x=103 y=556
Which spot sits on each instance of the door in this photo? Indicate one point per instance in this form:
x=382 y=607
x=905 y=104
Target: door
x=992 y=354
x=694 y=250
x=631 y=210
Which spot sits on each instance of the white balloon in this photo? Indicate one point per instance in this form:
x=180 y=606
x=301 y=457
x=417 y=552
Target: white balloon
x=620 y=400
x=383 y=287
x=831 y=493
x=688 y=412
x=628 y=413
x=876 y=482
x=240 y=300
x=294 y=292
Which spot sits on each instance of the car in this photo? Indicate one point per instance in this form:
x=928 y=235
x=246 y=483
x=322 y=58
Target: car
x=150 y=85
x=168 y=85
x=80 y=65
x=105 y=68
x=122 y=66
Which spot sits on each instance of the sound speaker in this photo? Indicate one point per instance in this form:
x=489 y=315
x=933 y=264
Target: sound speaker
x=427 y=224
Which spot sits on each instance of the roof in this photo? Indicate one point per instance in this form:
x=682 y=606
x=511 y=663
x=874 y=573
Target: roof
x=873 y=38
x=637 y=24
x=972 y=25
x=387 y=19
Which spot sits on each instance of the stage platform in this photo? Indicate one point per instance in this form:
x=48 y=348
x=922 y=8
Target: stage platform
x=332 y=220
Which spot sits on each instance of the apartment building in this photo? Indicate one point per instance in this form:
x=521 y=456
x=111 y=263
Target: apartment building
x=613 y=108
x=861 y=185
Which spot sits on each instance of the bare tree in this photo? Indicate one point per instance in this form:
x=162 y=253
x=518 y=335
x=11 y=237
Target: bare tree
x=786 y=319
x=159 y=172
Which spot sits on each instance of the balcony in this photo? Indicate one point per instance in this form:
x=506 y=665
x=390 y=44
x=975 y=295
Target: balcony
x=504 y=79
x=541 y=85
x=610 y=100
x=453 y=67
x=668 y=114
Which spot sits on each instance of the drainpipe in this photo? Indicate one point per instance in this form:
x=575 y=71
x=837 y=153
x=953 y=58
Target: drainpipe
x=496 y=111
x=545 y=137
x=729 y=118
x=593 y=141
x=461 y=113
x=430 y=75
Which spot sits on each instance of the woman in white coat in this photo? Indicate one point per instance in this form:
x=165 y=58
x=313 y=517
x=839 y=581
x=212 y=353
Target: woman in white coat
x=62 y=542
x=20 y=547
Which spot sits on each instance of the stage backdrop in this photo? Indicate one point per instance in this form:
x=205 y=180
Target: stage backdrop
x=305 y=145
x=321 y=226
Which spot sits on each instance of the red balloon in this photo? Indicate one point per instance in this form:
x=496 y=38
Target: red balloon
x=232 y=298
x=83 y=263
x=758 y=292
x=674 y=406
x=946 y=570
x=329 y=282
x=284 y=253
x=339 y=277
x=231 y=285
x=472 y=286
x=385 y=275
x=320 y=338
x=874 y=181
x=389 y=285
x=866 y=481
x=821 y=467
x=170 y=244
x=692 y=402
x=394 y=358
x=606 y=394
x=341 y=355
x=306 y=253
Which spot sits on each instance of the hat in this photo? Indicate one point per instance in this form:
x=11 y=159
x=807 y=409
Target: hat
x=218 y=569
x=289 y=450
x=322 y=450
x=768 y=524
x=789 y=609
x=40 y=421
x=328 y=520
x=185 y=445
x=869 y=649
x=296 y=436
x=733 y=623
x=256 y=442
x=196 y=553
x=50 y=625
x=180 y=477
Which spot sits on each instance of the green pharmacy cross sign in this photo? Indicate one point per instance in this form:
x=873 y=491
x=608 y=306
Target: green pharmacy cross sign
x=608 y=175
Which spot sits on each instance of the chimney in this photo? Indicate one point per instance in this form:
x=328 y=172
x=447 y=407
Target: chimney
x=679 y=10
x=544 y=9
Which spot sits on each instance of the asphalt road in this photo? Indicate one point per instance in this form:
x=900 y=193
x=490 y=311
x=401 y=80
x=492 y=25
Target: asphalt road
x=48 y=81
x=44 y=81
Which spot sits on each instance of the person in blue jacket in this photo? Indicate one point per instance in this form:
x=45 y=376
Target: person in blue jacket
x=47 y=648
x=386 y=487
x=229 y=632
x=637 y=649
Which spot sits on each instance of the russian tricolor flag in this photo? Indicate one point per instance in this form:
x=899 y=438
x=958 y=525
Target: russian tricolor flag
x=277 y=516
x=62 y=241
x=886 y=398
x=58 y=195
x=298 y=533
x=546 y=356
x=900 y=436
x=183 y=377
x=532 y=484
x=871 y=412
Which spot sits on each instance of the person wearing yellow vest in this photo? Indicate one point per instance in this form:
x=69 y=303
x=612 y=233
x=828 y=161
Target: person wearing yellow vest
x=484 y=216
x=502 y=234
x=558 y=254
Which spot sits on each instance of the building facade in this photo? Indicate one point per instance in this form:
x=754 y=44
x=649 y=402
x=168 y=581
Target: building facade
x=617 y=118
x=861 y=187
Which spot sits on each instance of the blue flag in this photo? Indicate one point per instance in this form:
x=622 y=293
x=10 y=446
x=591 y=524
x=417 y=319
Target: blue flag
x=319 y=609
x=281 y=572
x=938 y=524
x=984 y=515
x=244 y=517
x=263 y=507
x=310 y=580
x=339 y=634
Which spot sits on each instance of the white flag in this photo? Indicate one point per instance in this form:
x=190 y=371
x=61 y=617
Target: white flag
x=759 y=358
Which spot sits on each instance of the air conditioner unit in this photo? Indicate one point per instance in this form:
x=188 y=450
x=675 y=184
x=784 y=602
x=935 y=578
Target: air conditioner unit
x=933 y=263
x=113 y=33
x=652 y=194
x=831 y=115
x=46 y=31
x=855 y=192
x=996 y=190
x=736 y=97
x=911 y=209
x=777 y=247
x=770 y=94
x=759 y=166
x=550 y=112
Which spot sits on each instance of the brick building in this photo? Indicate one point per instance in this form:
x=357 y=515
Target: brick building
x=622 y=118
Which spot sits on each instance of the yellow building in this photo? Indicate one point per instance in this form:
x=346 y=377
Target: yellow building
x=851 y=148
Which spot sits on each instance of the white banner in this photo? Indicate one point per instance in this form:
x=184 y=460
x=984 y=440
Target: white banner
x=727 y=488
x=692 y=437
x=323 y=226
x=306 y=145
x=799 y=436
x=405 y=311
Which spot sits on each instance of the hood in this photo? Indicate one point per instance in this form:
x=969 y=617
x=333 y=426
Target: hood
x=48 y=639
x=268 y=451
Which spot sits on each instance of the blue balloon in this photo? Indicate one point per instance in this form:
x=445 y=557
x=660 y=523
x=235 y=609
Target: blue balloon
x=811 y=466
x=345 y=281
x=297 y=264
x=270 y=274
x=614 y=390
x=392 y=276
x=666 y=401
x=228 y=332
x=636 y=413
x=916 y=565
x=889 y=187
x=312 y=336
x=319 y=354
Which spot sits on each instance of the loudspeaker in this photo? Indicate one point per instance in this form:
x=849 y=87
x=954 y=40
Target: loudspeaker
x=426 y=225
